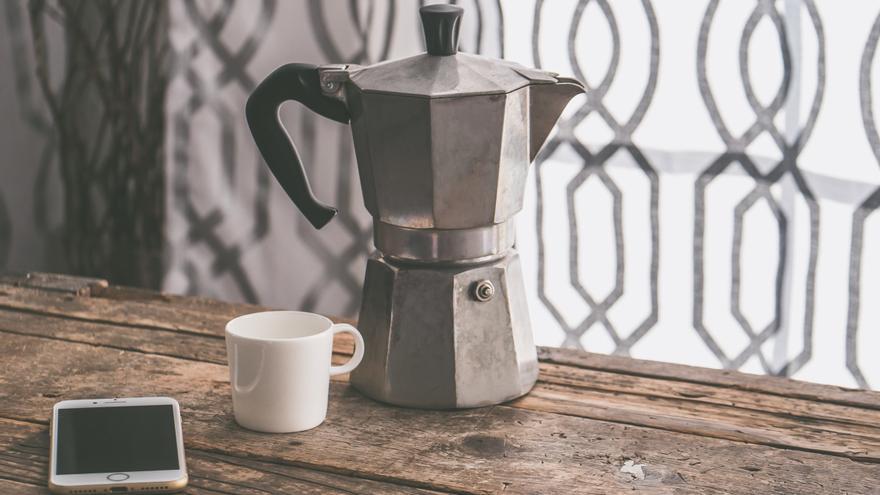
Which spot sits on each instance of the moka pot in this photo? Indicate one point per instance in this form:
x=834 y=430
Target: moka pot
x=443 y=142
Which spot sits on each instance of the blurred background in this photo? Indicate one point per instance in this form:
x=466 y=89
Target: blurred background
x=712 y=200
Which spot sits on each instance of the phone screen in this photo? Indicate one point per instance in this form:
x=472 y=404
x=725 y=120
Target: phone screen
x=116 y=439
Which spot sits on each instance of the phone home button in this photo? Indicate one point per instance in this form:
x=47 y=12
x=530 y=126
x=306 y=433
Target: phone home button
x=117 y=477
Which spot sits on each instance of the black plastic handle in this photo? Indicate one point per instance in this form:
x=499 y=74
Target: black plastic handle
x=298 y=82
x=441 y=23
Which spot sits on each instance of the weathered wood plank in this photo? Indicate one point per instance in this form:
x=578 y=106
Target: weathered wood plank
x=599 y=395
x=742 y=381
x=24 y=458
x=208 y=317
x=80 y=286
x=487 y=450
x=693 y=417
x=160 y=312
x=196 y=304
x=184 y=345
x=720 y=412
x=728 y=398
x=11 y=487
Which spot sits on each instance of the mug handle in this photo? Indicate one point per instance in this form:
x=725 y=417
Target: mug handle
x=358 y=349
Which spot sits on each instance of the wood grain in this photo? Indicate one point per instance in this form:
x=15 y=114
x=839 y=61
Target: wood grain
x=593 y=424
x=785 y=387
x=159 y=313
x=80 y=286
x=682 y=406
x=24 y=456
x=135 y=307
x=487 y=450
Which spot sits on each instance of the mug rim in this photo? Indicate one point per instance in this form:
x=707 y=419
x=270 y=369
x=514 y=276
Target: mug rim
x=239 y=335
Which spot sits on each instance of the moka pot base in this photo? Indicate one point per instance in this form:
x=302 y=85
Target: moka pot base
x=445 y=335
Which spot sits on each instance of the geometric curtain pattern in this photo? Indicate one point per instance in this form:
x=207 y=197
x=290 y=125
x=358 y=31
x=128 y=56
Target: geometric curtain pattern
x=860 y=218
x=770 y=233
x=592 y=165
x=205 y=97
x=789 y=147
x=771 y=230
x=222 y=49
x=711 y=200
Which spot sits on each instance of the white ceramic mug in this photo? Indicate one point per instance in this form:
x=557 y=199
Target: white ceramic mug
x=279 y=368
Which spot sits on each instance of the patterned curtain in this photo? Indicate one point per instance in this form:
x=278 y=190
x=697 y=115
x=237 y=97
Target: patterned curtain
x=253 y=244
x=710 y=201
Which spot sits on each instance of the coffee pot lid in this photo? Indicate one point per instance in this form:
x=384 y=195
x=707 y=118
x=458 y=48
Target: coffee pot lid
x=443 y=71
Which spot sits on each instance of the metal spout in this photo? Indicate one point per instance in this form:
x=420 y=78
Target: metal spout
x=547 y=101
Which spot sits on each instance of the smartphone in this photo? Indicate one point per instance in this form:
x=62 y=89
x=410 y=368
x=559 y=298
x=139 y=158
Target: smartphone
x=117 y=446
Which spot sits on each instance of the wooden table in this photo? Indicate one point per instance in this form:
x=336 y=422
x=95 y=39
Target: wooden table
x=593 y=424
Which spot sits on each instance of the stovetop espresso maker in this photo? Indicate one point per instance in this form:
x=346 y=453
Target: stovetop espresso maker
x=443 y=142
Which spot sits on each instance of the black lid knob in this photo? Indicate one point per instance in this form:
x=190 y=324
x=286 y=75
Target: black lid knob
x=441 y=22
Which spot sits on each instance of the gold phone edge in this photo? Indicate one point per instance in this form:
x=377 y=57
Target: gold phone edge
x=135 y=488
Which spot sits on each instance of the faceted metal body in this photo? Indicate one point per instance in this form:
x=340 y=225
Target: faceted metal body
x=443 y=145
x=452 y=163
x=443 y=142
x=432 y=344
